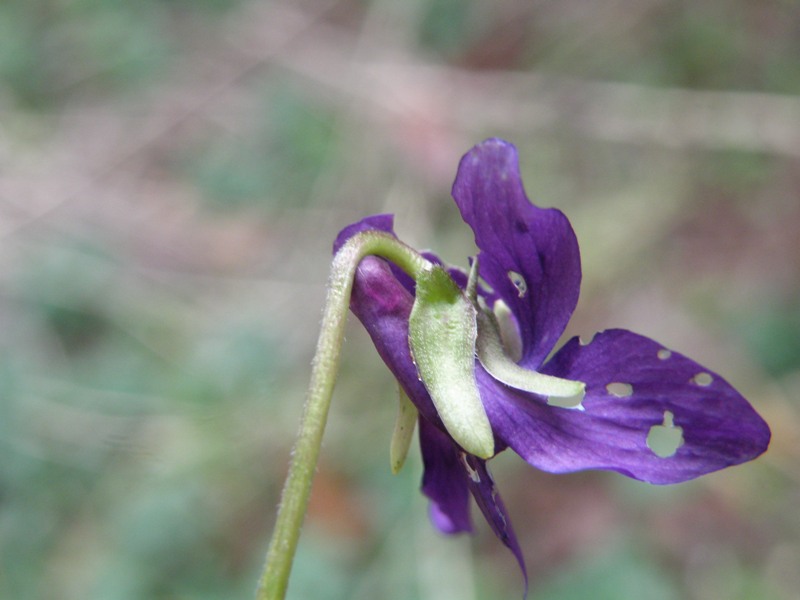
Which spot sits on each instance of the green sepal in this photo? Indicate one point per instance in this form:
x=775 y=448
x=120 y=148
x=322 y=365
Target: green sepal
x=501 y=367
x=442 y=335
x=403 y=431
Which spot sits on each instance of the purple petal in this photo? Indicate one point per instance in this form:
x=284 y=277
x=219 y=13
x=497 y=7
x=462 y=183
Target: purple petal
x=516 y=237
x=382 y=304
x=444 y=480
x=491 y=504
x=646 y=382
x=383 y=222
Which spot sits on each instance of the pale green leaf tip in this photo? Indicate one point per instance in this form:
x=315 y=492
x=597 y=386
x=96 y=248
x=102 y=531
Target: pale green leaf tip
x=465 y=418
x=481 y=444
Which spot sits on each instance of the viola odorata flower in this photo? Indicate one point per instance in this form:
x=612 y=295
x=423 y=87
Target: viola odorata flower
x=471 y=353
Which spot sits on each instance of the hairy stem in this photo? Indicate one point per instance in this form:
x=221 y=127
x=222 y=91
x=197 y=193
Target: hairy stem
x=297 y=488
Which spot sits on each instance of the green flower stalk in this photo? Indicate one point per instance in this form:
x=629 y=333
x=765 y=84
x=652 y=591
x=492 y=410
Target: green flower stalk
x=294 y=498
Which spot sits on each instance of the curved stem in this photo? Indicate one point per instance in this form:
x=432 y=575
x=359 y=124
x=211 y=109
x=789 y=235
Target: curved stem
x=297 y=488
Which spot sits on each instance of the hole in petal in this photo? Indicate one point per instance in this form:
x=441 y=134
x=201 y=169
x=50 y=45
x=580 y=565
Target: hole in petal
x=519 y=283
x=703 y=379
x=620 y=390
x=665 y=439
x=664 y=354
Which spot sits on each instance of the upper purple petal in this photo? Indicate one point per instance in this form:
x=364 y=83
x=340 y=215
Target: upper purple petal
x=719 y=426
x=384 y=222
x=516 y=237
x=382 y=304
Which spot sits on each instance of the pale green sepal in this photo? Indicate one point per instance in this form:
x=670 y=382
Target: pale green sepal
x=442 y=332
x=502 y=368
x=403 y=431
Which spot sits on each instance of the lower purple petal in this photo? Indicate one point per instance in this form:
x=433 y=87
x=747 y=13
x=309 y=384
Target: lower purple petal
x=632 y=385
x=491 y=504
x=444 y=481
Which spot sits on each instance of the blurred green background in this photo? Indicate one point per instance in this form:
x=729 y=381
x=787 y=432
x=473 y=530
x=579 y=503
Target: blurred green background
x=172 y=175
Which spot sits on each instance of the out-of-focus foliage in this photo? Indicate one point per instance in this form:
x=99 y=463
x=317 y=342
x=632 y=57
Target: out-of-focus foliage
x=172 y=176
x=231 y=172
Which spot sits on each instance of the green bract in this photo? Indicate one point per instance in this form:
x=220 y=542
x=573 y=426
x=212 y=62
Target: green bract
x=494 y=360
x=442 y=334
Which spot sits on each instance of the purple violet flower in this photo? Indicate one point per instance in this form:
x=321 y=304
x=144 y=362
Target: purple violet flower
x=530 y=263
